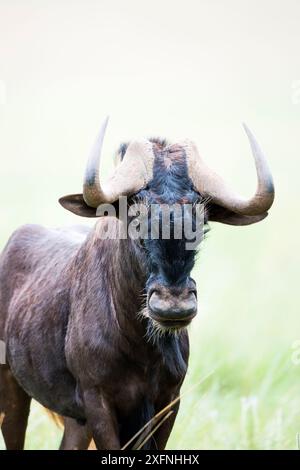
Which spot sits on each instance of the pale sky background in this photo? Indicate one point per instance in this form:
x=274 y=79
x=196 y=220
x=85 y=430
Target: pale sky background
x=181 y=69
x=193 y=69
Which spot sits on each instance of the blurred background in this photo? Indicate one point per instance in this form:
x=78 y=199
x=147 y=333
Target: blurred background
x=176 y=69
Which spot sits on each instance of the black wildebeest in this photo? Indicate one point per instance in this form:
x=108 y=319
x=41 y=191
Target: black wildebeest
x=79 y=311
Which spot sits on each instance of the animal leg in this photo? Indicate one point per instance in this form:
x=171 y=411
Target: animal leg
x=101 y=420
x=76 y=436
x=15 y=405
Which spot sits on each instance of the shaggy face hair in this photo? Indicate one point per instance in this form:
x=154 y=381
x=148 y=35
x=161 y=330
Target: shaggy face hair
x=170 y=185
x=168 y=261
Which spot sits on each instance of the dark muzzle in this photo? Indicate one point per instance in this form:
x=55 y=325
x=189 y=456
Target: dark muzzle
x=172 y=307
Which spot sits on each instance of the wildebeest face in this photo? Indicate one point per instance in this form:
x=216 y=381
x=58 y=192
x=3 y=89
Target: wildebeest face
x=171 y=295
x=158 y=174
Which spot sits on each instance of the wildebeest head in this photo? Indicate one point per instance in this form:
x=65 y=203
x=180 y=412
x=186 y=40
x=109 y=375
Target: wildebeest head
x=159 y=175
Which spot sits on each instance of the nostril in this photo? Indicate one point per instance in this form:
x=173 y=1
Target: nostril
x=193 y=291
x=153 y=290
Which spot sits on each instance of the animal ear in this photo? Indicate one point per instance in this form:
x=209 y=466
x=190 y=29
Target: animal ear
x=217 y=213
x=75 y=203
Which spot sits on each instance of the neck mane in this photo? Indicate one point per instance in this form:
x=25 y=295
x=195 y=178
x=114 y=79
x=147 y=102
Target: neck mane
x=111 y=277
x=116 y=272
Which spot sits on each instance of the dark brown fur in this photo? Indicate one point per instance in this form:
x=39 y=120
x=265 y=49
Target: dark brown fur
x=74 y=341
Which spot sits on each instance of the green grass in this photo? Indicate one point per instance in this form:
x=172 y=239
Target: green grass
x=242 y=405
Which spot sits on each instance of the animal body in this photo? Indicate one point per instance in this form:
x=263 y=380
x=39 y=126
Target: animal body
x=94 y=322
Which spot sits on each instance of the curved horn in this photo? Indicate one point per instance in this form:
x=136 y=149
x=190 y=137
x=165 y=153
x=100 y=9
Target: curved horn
x=92 y=192
x=211 y=185
x=131 y=175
